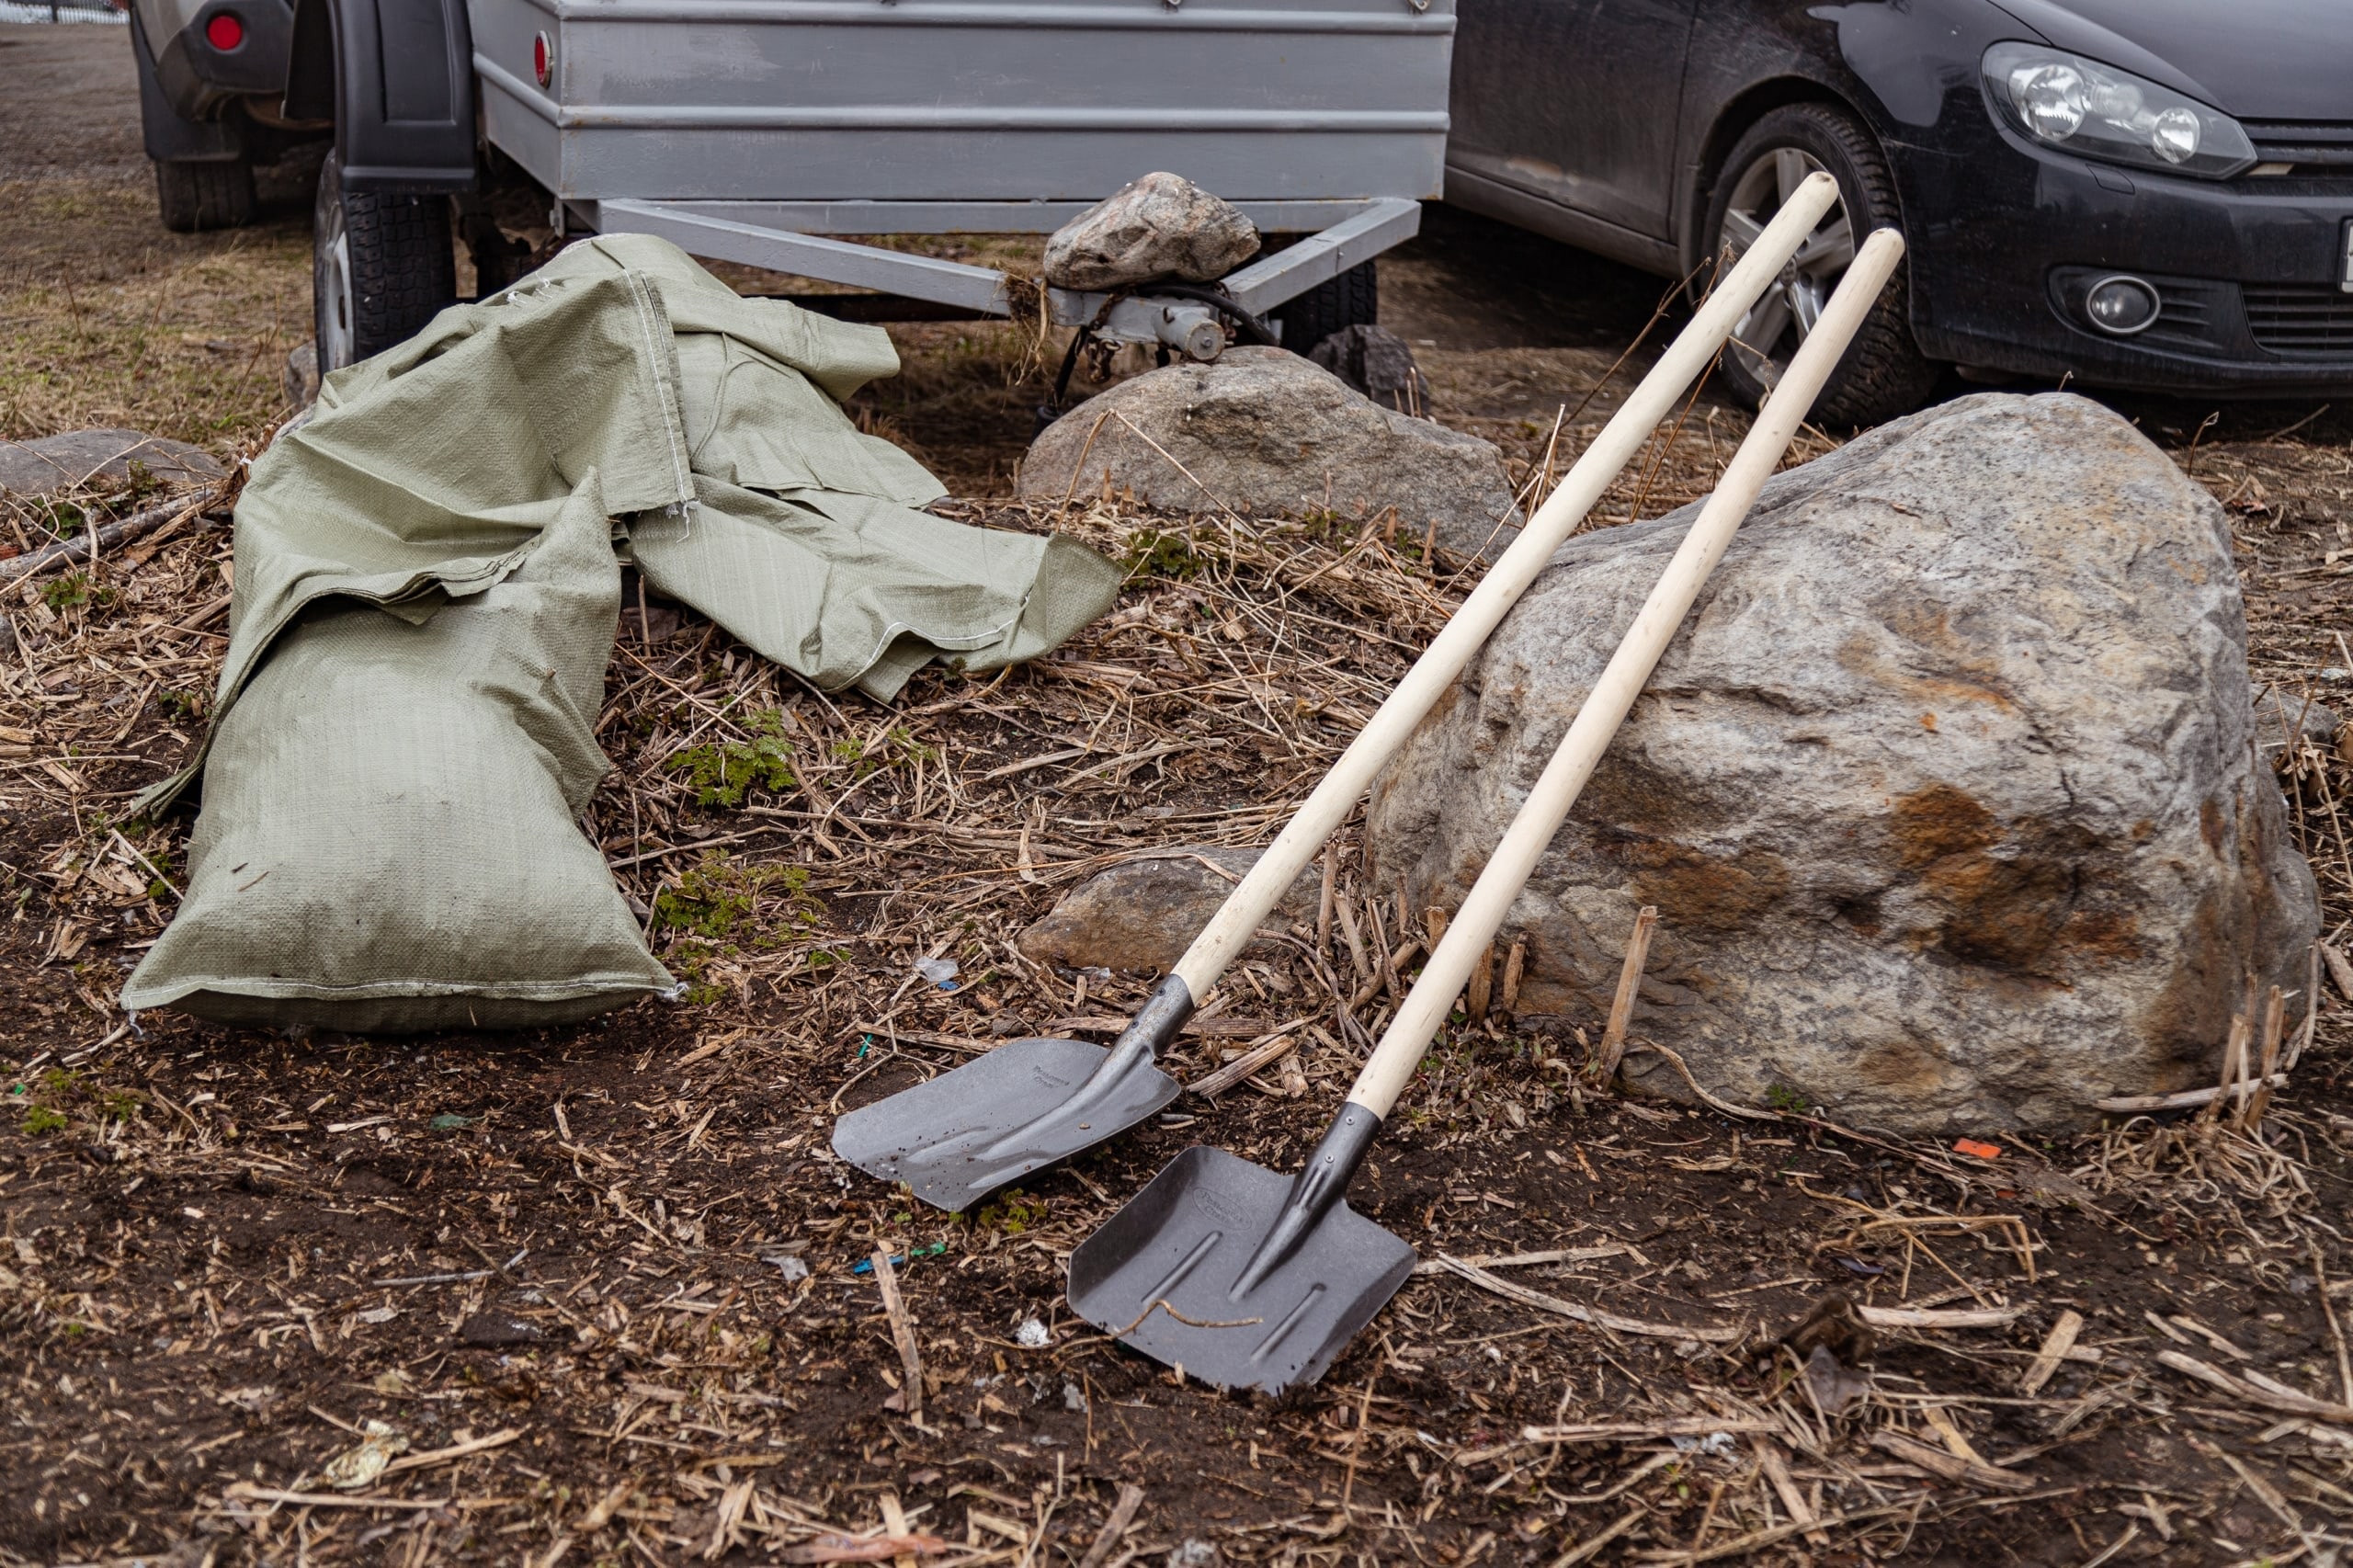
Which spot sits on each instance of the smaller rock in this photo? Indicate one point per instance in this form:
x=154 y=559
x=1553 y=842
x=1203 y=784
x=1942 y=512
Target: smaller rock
x=1194 y=1553
x=2280 y=714
x=1265 y=431
x=1376 y=362
x=1143 y=913
x=1161 y=226
x=1835 y=1387
x=54 y=463
x=498 y=1331
x=303 y=375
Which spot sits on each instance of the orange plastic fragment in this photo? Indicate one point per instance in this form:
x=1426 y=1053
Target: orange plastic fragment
x=1972 y=1146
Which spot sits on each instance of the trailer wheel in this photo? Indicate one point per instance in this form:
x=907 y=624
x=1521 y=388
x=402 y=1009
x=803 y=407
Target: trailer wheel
x=1352 y=298
x=382 y=267
x=214 y=194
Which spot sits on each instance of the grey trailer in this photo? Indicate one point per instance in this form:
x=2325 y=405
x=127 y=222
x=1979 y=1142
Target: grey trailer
x=764 y=131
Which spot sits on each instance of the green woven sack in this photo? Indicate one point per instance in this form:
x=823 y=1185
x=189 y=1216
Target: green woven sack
x=391 y=805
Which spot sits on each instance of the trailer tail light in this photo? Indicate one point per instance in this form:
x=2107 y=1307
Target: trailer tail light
x=225 y=32
x=542 y=58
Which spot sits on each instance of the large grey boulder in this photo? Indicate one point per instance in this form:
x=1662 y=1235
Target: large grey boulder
x=52 y=463
x=1946 y=791
x=1160 y=226
x=1143 y=913
x=1263 y=431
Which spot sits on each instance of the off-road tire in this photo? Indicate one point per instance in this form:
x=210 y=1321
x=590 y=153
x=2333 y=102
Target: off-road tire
x=1883 y=374
x=1352 y=298
x=401 y=267
x=215 y=194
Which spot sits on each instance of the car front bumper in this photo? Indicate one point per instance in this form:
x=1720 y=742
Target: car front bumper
x=2252 y=272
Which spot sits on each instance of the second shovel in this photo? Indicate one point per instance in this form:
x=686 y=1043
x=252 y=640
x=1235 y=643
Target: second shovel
x=1245 y=1278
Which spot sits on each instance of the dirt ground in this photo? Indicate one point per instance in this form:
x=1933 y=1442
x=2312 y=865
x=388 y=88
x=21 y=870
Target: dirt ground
x=608 y=1293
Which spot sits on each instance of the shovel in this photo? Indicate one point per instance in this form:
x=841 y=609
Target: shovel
x=956 y=1138
x=1245 y=1278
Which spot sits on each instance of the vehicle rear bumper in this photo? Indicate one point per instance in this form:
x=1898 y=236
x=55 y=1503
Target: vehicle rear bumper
x=197 y=79
x=2252 y=272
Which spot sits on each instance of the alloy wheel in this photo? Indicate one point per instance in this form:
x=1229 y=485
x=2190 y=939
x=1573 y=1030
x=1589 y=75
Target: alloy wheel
x=1767 y=337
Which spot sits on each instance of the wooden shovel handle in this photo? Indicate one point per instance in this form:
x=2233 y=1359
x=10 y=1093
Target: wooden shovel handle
x=1234 y=925
x=1474 y=926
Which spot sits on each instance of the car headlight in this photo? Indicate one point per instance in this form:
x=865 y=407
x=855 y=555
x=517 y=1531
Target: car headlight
x=2097 y=111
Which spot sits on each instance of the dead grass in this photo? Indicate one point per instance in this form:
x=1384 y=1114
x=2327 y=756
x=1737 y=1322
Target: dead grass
x=108 y=320
x=564 y=1271
x=243 y=1251
x=602 y=1287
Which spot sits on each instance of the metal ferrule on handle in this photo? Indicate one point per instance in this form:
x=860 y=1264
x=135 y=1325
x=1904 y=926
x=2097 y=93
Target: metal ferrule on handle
x=1321 y=1182
x=1596 y=470
x=1424 y=1009
x=1139 y=1045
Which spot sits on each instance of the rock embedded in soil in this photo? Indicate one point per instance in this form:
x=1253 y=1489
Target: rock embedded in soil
x=1162 y=226
x=1946 y=791
x=498 y=1331
x=1143 y=913
x=1263 y=431
x=54 y=463
x=302 y=376
x=2284 y=718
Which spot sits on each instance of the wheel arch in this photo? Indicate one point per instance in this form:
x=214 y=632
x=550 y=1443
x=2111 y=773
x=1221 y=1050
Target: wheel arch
x=396 y=77
x=1747 y=107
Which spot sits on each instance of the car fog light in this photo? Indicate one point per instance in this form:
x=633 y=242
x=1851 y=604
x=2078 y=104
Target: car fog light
x=225 y=32
x=2121 y=306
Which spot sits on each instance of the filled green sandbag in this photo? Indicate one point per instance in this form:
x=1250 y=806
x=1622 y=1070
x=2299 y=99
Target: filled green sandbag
x=372 y=855
x=389 y=840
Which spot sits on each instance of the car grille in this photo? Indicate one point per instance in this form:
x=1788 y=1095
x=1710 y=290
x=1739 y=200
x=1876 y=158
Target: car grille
x=2300 y=321
x=2308 y=145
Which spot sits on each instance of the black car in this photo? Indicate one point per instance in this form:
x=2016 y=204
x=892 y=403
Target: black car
x=2143 y=194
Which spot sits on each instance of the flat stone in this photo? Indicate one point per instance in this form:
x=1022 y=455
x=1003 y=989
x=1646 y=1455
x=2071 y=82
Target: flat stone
x=1948 y=791
x=1162 y=226
x=498 y=1331
x=1143 y=913
x=1265 y=431
x=53 y=463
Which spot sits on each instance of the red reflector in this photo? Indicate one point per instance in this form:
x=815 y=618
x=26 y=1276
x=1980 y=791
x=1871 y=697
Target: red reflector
x=539 y=58
x=225 y=32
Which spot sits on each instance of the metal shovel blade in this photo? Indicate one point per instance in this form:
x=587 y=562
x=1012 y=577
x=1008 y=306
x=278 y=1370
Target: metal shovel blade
x=992 y=1121
x=1160 y=1275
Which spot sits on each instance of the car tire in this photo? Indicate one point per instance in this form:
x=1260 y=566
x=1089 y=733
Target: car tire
x=1884 y=373
x=382 y=267
x=1352 y=298
x=214 y=194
